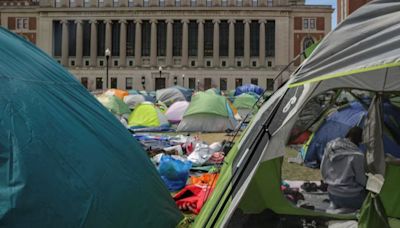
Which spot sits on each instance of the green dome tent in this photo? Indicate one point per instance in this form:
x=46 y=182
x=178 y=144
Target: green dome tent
x=245 y=104
x=208 y=112
x=362 y=53
x=65 y=160
x=146 y=114
x=114 y=104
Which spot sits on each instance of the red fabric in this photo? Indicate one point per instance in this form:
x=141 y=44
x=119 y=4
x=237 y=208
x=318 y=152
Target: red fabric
x=301 y=139
x=192 y=197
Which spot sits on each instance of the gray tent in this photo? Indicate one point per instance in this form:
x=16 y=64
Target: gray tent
x=362 y=53
x=176 y=93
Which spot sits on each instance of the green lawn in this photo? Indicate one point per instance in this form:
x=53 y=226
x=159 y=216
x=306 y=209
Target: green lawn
x=293 y=171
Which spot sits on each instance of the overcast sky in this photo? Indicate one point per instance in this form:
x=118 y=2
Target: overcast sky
x=326 y=2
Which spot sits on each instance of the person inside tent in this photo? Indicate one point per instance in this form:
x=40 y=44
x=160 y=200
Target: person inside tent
x=342 y=168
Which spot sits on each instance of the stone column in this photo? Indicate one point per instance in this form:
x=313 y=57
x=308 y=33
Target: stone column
x=231 y=49
x=261 y=59
x=79 y=43
x=216 y=43
x=185 y=42
x=246 y=62
x=108 y=34
x=122 y=44
x=153 y=43
x=200 y=40
x=169 y=61
x=138 y=42
x=93 y=43
x=64 y=43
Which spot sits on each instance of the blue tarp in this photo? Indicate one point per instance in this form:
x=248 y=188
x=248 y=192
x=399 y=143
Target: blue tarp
x=247 y=88
x=65 y=161
x=338 y=124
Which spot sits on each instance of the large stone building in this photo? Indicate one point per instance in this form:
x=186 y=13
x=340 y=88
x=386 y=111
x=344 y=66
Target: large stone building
x=346 y=7
x=198 y=43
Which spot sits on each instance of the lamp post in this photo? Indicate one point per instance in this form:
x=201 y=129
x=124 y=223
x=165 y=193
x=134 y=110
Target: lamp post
x=183 y=80
x=107 y=53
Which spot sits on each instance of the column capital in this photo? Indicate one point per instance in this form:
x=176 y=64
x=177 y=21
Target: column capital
x=231 y=21
x=78 y=21
x=246 y=21
x=262 y=21
x=200 y=21
x=122 y=21
x=138 y=21
x=185 y=21
x=216 y=21
x=107 y=21
x=169 y=21
x=64 y=21
x=94 y=21
x=154 y=21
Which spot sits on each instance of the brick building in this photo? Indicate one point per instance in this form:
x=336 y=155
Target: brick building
x=346 y=7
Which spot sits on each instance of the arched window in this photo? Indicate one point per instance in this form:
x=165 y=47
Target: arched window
x=308 y=41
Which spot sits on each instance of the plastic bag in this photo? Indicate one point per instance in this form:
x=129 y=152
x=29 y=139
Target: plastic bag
x=200 y=155
x=174 y=172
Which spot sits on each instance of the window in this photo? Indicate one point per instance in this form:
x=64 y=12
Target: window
x=22 y=23
x=239 y=38
x=146 y=36
x=115 y=3
x=177 y=38
x=86 y=38
x=86 y=3
x=101 y=38
x=193 y=63
x=130 y=63
x=239 y=63
x=193 y=38
x=254 y=38
x=270 y=84
x=100 y=3
x=208 y=63
x=269 y=3
x=223 y=38
x=84 y=82
x=130 y=3
x=223 y=63
x=312 y=23
x=193 y=3
x=115 y=37
x=57 y=34
x=99 y=83
x=223 y=84
x=305 y=23
x=254 y=81
x=238 y=82
x=86 y=62
x=178 y=3
x=115 y=62
x=130 y=38
x=161 y=38
x=208 y=3
x=208 y=38
x=101 y=63
x=270 y=38
x=254 y=3
x=192 y=83
x=254 y=63
x=57 y=3
x=207 y=83
x=72 y=62
x=269 y=64
x=114 y=83
x=224 y=3
x=161 y=3
x=72 y=3
x=129 y=83
x=239 y=2
x=145 y=3
x=71 y=38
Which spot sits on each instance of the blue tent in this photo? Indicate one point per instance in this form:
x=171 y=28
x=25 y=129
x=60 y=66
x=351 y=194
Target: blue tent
x=249 y=88
x=338 y=124
x=65 y=160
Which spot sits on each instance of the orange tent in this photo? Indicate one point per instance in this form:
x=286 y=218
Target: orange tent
x=118 y=93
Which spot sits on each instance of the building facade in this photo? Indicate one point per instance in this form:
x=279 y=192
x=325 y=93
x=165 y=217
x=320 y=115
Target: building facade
x=154 y=44
x=346 y=7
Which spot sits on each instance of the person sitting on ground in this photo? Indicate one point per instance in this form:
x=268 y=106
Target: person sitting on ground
x=342 y=168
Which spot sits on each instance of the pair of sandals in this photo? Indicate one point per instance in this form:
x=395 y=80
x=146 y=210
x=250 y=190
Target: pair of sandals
x=313 y=187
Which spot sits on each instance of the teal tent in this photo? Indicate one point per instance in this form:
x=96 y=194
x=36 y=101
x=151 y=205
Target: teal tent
x=65 y=160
